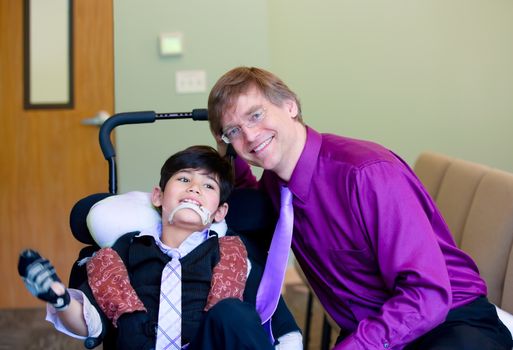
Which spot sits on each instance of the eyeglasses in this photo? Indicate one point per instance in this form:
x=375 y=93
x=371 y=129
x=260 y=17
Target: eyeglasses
x=235 y=132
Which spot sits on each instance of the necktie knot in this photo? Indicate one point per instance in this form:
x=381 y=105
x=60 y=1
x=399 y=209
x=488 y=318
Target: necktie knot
x=286 y=196
x=174 y=254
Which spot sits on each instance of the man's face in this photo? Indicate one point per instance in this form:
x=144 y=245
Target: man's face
x=268 y=133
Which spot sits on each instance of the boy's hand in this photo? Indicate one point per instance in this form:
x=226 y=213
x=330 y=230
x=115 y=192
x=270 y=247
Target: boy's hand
x=40 y=278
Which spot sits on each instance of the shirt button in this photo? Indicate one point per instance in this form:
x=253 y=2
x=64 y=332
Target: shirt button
x=386 y=345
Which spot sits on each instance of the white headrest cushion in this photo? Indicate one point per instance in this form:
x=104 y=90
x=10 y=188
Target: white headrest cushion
x=116 y=215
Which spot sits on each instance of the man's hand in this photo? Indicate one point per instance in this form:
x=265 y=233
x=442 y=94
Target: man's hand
x=40 y=278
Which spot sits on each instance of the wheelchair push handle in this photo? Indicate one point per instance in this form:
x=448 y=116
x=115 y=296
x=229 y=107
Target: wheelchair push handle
x=141 y=117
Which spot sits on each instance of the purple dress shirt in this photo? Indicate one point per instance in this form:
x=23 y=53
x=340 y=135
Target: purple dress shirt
x=371 y=242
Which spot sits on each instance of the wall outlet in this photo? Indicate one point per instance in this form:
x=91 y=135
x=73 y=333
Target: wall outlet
x=190 y=81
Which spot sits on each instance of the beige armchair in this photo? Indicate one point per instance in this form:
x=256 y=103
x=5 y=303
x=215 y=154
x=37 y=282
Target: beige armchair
x=477 y=204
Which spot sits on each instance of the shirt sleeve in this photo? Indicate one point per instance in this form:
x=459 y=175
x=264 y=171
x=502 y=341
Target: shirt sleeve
x=394 y=210
x=244 y=178
x=91 y=316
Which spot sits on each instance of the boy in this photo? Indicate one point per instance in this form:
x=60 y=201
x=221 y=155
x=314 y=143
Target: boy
x=122 y=296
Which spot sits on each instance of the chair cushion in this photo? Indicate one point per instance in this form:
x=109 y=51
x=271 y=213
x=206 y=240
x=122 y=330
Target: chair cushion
x=78 y=215
x=487 y=235
x=430 y=168
x=456 y=193
x=116 y=215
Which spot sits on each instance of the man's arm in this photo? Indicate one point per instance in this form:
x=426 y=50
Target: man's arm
x=390 y=203
x=244 y=178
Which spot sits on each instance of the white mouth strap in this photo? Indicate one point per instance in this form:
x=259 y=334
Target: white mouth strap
x=203 y=212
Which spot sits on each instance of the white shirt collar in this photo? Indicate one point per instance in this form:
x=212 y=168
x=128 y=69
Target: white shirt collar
x=190 y=243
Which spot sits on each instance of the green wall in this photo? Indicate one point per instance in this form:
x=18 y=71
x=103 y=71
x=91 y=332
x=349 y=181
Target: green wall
x=217 y=36
x=410 y=74
x=413 y=75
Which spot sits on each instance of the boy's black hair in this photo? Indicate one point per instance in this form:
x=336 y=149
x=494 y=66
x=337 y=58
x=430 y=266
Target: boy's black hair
x=200 y=157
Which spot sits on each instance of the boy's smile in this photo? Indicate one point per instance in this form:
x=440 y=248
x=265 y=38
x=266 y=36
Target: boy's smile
x=189 y=200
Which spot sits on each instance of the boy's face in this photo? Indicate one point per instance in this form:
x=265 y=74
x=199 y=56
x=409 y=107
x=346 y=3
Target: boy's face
x=193 y=186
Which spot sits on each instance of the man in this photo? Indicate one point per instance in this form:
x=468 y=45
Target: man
x=368 y=237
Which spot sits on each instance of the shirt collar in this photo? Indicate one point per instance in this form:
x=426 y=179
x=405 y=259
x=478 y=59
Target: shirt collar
x=301 y=178
x=187 y=246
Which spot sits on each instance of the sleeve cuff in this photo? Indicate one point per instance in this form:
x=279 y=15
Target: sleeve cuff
x=91 y=316
x=290 y=341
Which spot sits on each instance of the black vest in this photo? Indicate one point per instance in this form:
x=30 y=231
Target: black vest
x=145 y=262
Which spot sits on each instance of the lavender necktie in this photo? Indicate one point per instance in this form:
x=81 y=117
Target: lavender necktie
x=269 y=291
x=169 y=329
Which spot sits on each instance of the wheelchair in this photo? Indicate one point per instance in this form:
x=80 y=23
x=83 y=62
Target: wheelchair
x=250 y=213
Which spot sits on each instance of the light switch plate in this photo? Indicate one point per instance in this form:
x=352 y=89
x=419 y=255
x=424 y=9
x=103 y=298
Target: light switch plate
x=190 y=81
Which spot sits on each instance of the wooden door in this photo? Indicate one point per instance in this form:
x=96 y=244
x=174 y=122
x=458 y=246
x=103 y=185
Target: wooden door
x=48 y=160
